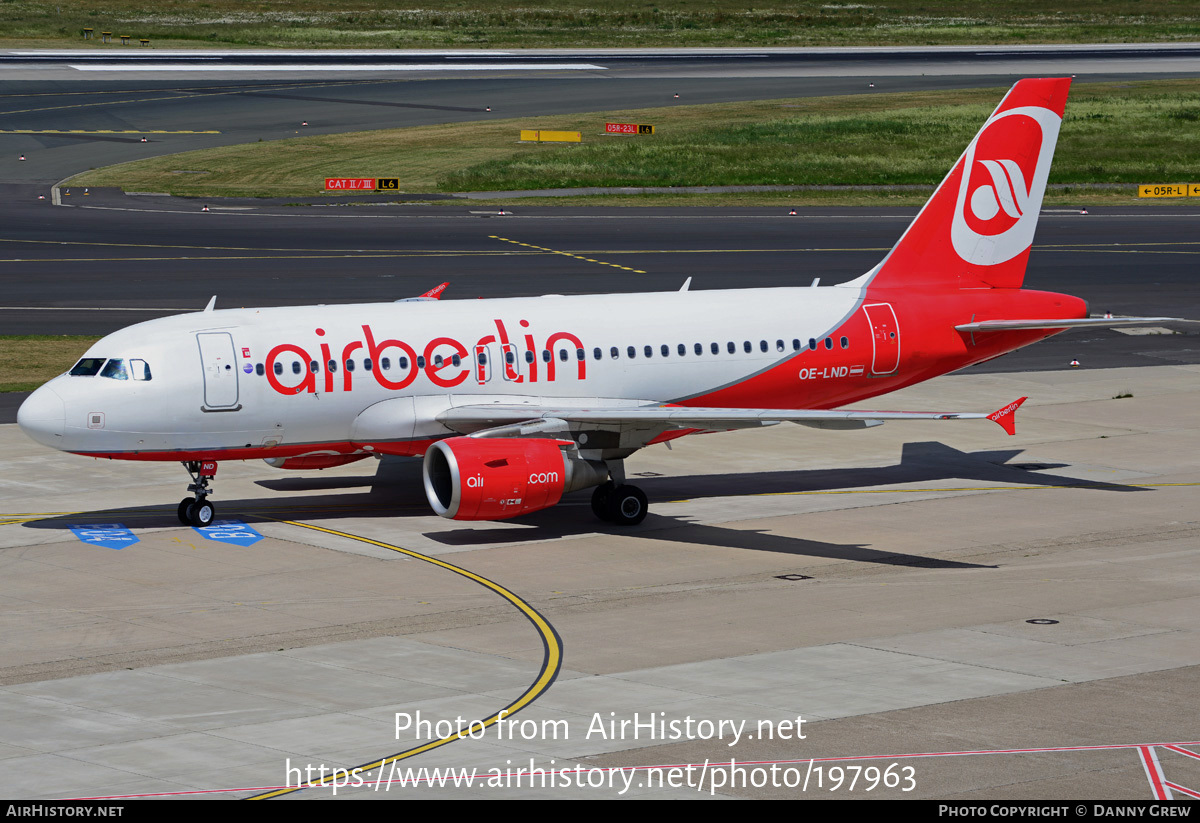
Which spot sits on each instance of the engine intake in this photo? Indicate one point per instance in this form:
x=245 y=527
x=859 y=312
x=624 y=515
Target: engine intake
x=469 y=478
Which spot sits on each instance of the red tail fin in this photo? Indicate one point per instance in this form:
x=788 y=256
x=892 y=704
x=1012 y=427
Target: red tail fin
x=976 y=230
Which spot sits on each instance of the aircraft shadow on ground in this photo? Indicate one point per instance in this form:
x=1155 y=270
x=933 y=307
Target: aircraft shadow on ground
x=395 y=490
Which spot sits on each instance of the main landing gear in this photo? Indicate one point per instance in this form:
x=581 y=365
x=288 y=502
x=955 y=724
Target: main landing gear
x=622 y=505
x=196 y=510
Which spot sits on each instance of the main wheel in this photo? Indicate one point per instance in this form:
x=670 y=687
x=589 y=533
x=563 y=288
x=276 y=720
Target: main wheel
x=600 y=499
x=182 y=512
x=202 y=512
x=627 y=506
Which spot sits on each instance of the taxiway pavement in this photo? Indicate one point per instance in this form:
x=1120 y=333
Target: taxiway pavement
x=879 y=584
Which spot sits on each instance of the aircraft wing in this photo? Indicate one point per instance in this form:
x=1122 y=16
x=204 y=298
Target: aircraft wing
x=1078 y=323
x=515 y=420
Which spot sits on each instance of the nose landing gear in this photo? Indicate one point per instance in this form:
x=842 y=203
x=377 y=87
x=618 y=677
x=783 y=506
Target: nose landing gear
x=196 y=510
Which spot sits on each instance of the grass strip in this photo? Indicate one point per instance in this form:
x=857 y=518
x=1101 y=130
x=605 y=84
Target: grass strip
x=29 y=360
x=595 y=23
x=1131 y=133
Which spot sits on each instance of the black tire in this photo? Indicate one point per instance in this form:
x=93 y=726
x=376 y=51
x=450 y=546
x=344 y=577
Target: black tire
x=600 y=499
x=202 y=513
x=182 y=511
x=627 y=506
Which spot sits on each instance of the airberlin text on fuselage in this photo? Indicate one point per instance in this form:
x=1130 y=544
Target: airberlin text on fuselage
x=438 y=358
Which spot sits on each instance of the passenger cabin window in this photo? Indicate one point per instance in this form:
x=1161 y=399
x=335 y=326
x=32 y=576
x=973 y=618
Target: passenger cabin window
x=747 y=347
x=845 y=342
x=87 y=367
x=732 y=347
x=420 y=361
x=796 y=344
x=529 y=357
x=716 y=348
x=115 y=368
x=349 y=365
x=385 y=363
x=332 y=364
x=563 y=354
x=597 y=354
x=762 y=345
x=278 y=367
x=699 y=349
x=615 y=352
x=259 y=370
x=367 y=363
x=579 y=355
x=312 y=366
x=648 y=351
x=682 y=349
x=828 y=343
x=296 y=367
x=546 y=355
x=631 y=351
x=812 y=343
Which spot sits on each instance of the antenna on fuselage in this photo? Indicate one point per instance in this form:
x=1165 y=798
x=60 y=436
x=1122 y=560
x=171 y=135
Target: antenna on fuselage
x=212 y=302
x=685 y=285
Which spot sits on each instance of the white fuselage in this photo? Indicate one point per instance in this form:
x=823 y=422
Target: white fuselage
x=258 y=382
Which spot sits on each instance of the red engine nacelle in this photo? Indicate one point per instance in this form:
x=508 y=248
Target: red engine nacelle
x=313 y=461
x=469 y=478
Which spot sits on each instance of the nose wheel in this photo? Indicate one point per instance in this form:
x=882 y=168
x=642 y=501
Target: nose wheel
x=197 y=510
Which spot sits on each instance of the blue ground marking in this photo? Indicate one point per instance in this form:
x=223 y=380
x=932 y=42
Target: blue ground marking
x=108 y=535
x=229 y=531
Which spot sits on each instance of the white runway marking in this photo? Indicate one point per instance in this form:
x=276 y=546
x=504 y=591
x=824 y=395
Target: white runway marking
x=328 y=69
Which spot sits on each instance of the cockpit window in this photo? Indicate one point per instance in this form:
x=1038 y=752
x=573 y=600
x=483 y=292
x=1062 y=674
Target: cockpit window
x=115 y=368
x=140 y=369
x=87 y=367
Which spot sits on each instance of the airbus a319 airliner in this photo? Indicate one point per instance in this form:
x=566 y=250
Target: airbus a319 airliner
x=514 y=402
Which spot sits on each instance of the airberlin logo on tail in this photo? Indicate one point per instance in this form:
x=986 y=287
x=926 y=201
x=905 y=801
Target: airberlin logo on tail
x=1004 y=175
x=1007 y=191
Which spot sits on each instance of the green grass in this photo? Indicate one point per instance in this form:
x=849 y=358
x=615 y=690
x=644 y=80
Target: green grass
x=1112 y=133
x=476 y=23
x=28 y=361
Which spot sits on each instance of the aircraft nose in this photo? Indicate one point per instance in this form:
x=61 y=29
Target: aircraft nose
x=43 y=417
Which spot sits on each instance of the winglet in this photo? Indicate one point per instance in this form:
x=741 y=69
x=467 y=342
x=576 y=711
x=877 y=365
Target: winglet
x=1007 y=416
x=436 y=292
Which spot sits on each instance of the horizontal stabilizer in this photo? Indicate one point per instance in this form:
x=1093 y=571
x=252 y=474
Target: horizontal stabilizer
x=1076 y=323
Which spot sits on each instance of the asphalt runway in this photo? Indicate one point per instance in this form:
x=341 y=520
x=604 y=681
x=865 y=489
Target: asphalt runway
x=879 y=584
